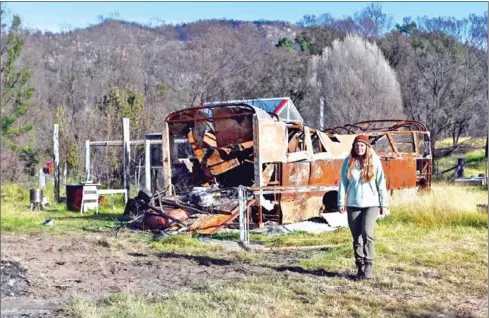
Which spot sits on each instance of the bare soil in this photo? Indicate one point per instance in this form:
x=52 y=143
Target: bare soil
x=48 y=270
x=55 y=268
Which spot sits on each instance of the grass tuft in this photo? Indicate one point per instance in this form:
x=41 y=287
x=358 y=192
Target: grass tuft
x=184 y=244
x=446 y=205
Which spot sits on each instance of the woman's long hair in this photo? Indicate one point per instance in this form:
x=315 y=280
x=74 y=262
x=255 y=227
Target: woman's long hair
x=366 y=164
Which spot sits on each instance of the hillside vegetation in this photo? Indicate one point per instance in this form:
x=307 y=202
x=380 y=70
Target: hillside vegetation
x=432 y=69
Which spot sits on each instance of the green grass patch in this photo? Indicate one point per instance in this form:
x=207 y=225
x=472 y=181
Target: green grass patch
x=250 y=299
x=298 y=238
x=468 y=142
x=184 y=244
x=475 y=163
x=272 y=297
x=446 y=205
x=234 y=236
x=431 y=260
x=332 y=259
x=19 y=218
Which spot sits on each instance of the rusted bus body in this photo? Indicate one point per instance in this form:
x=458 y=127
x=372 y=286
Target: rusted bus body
x=404 y=148
x=237 y=144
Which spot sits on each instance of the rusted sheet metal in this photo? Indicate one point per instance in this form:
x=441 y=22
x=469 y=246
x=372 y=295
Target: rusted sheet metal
x=211 y=159
x=155 y=221
x=272 y=142
x=404 y=145
x=267 y=173
x=299 y=206
x=298 y=156
x=308 y=141
x=211 y=223
x=232 y=131
x=342 y=146
x=320 y=174
x=400 y=173
x=325 y=172
x=199 y=127
x=165 y=145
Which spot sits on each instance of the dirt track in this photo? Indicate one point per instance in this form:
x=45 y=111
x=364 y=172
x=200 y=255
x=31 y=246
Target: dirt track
x=59 y=267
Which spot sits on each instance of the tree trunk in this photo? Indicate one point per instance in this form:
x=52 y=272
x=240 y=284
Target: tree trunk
x=486 y=150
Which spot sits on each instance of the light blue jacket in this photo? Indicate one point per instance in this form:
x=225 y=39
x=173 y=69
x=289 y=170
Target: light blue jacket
x=359 y=194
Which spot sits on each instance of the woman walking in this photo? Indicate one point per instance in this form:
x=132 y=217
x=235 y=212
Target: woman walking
x=363 y=195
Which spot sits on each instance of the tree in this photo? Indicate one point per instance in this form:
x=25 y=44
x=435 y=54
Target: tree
x=314 y=21
x=372 y=22
x=16 y=95
x=356 y=82
x=407 y=27
x=285 y=43
x=284 y=73
x=447 y=86
x=314 y=39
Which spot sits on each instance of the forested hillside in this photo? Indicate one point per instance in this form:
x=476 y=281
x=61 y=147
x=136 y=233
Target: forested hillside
x=365 y=67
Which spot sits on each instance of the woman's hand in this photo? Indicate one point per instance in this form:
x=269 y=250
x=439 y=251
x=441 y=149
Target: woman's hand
x=341 y=209
x=384 y=211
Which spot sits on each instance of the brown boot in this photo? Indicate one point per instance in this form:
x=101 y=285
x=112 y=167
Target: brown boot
x=360 y=269
x=368 y=274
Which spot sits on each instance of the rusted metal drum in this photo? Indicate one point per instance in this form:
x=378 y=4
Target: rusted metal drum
x=74 y=193
x=36 y=195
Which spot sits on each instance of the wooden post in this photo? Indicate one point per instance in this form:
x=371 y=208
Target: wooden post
x=56 y=162
x=147 y=165
x=487 y=147
x=258 y=175
x=126 y=154
x=166 y=157
x=87 y=160
x=460 y=168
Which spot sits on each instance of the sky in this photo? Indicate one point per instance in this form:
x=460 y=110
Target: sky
x=62 y=16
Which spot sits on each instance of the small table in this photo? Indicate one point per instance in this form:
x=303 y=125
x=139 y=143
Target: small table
x=112 y=192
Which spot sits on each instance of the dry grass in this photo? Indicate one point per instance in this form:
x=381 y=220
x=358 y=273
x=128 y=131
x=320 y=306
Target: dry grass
x=468 y=142
x=431 y=262
x=446 y=205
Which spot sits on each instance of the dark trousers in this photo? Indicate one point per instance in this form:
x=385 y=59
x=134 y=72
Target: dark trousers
x=362 y=224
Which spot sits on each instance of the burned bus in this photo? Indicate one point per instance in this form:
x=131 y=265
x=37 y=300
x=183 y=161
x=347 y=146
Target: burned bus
x=211 y=149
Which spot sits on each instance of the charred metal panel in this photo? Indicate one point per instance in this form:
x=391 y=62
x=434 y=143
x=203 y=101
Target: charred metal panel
x=400 y=173
x=341 y=147
x=232 y=130
x=210 y=158
x=298 y=206
x=325 y=172
x=272 y=142
x=211 y=223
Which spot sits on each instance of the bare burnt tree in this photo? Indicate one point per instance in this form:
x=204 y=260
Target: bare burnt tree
x=448 y=85
x=372 y=22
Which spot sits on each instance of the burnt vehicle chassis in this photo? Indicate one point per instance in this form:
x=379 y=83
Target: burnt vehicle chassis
x=221 y=147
